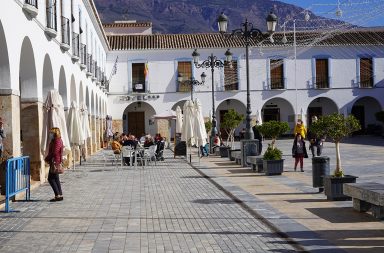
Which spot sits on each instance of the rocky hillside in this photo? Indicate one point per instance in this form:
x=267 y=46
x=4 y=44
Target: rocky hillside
x=193 y=16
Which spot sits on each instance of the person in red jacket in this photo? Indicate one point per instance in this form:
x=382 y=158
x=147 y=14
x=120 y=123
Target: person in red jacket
x=55 y=153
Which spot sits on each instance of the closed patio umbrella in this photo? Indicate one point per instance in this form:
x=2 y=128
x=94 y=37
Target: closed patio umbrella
x=54 y=117
x=187 y=132
x=84 y=123
x=179 y=119
x=200 y=133
x=74 y=129
x=108 y=128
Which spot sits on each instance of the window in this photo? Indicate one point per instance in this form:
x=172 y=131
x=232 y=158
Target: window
x=277 y=74
x=366 y=73
x=231 y=81
x=138 y=77
x=185 y=70
x=322 y=78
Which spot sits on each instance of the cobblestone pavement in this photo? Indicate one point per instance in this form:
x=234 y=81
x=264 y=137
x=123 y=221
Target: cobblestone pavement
x=165 y=208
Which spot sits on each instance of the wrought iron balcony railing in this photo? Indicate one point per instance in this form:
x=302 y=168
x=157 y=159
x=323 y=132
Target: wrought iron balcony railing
x=65 y=30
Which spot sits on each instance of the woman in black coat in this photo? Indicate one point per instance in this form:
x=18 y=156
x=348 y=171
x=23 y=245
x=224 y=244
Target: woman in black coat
x=299 y=151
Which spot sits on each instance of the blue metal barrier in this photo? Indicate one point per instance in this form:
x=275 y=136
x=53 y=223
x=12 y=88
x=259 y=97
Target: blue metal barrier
x=17 y=179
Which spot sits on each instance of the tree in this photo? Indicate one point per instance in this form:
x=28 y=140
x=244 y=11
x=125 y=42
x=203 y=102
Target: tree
x=231 y=121
x=273 y=129
x=208 y=126
x=336 y=127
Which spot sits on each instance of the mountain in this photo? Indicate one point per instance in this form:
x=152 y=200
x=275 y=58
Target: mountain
x=195 y=16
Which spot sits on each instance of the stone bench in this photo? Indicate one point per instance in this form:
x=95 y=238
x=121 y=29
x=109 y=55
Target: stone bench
x=256 y=163
x=366 y=196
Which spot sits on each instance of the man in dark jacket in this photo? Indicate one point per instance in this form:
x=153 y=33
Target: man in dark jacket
x=258 y=137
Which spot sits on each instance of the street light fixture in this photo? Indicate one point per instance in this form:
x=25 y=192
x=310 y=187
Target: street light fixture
x=192 y=82
x=212 y=62
x=247 y=32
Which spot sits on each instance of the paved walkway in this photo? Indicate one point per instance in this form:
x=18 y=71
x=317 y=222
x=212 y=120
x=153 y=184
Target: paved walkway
x=165 y=208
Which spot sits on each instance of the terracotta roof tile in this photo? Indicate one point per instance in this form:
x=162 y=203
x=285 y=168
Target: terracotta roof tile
x=128 y=24
x=216 y=40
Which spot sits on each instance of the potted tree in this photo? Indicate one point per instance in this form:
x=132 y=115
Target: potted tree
x=272 y=159
x=231 y=121
x=336 y=127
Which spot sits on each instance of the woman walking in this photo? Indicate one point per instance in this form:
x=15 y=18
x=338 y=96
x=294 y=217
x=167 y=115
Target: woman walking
x=54 y=157
x=299 y=151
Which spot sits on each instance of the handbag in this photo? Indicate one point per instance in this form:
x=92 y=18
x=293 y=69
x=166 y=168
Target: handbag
x=56 y=168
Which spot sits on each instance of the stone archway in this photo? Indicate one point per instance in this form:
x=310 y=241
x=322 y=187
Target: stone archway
x=137 y=119
x=8 y=100
x=48 y=82
x=364 y=110
x=30 y=110
x=63 y=88
x=278 y=109
x=223 y=107
x=320 y=106
x=73 y=91
x=81 y=93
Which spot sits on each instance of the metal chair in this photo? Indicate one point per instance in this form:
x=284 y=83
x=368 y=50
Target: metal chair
x=127 y=151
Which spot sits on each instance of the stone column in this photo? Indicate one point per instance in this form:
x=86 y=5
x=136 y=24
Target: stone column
x=89 y=140
x=163 y=127
x=93 y=131
x=31 y=121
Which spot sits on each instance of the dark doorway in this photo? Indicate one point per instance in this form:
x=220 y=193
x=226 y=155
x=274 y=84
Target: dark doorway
x=271 y=114
x=314 y=111
x=358 y=112
x=224 y=134
x=136 y=123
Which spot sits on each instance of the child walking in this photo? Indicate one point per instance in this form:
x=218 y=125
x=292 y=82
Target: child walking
x=299 y=151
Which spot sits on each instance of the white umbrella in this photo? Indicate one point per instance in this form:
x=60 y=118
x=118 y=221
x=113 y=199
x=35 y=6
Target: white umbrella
x=84 y=122
x=303 y=119
x=258 y=117
x=108 y=129
x=199 y=126
x=179 y=120
x=54 y=117
x=187 y=129
x=75 y=132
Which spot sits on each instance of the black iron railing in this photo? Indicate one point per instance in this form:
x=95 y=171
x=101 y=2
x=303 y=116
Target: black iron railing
x=89 y=63
x=277 y=83
x=32 y=2
x=52 y=17
x=322 y=82
x=83 y=54
x=75 y=44
x=65 y=30
x=233 y=86
x=366 y=82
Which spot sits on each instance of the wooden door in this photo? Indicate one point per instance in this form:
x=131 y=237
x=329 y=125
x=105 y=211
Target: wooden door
x=136 y=123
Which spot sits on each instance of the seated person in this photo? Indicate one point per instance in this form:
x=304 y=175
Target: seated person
x=148 y=142
x=116 y=146
x=158 y=138
x=130 y=141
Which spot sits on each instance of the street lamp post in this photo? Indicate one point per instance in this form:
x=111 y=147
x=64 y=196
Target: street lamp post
x=212 y=62
x=192 y=82
x=247 y=32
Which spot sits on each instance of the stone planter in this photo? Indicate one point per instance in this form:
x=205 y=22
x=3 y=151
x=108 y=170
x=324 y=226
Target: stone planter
x=273 y=167
x=224 y=151
x=232 y=153
x=333 y=186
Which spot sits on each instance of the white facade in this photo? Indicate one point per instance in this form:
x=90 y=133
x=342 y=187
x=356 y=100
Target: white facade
x=297 y=97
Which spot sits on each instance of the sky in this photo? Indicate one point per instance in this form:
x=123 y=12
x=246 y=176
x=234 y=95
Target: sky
x=358 y=12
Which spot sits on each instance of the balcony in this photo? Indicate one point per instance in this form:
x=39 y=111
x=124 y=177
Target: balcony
x=51 y=29
x=366 y=82
x=277 y=83
x=89 y=65
x=321 y=82
x=83 y=56
x=184 y=87
x=75 y=47
x=231 y=87
x=93 y=70
x=30 y=7
x=65 y=34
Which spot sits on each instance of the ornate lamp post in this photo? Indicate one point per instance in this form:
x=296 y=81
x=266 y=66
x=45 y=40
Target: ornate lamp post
x=192 y=82
x=212 y=62
x=248 y=33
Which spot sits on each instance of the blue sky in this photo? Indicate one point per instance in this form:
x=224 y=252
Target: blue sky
x=359 y=12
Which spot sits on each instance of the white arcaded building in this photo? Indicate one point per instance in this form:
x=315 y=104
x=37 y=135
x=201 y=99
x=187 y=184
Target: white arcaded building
x=62 y=45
